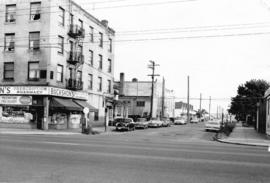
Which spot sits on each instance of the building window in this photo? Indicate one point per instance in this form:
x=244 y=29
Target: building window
x=79 y=76
x=71 y=46
x=71 y=18
x=35 y=9
x=80 y=49
x=100 y=63
x=61 y=16
x=11 y=13
x=109 y=65
x=91 y=34
x=100 y=40
x=9 y=71
x=33 y=70
x=34 y=40
x=9 y=42
x=96 y=116
x=99 y=83
x=90 y=81
x=110 y=45
x=81 y=23
x=109 y=86
x=61 y=44
x=60 y=73
x=140 y=103
x=91 y=57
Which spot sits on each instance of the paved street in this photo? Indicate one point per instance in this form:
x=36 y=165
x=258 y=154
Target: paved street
x=175 y=154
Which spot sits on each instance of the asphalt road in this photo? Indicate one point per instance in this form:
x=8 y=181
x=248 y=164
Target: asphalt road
x=176 y=154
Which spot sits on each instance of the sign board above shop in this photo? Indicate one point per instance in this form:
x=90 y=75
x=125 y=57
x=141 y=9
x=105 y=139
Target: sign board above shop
x=15 y=100
x=41 y=90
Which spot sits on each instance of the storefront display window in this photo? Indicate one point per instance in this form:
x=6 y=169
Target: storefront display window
x=19 y=114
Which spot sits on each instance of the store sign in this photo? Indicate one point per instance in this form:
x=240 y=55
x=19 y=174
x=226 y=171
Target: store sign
x=16 y=100
x=41 y=90
x=23 y=90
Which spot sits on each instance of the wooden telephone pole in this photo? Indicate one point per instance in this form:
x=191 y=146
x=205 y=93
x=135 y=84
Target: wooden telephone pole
x=152 y=66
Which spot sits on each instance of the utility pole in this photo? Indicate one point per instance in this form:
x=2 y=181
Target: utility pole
x=188 y=117
x=152 y=66
x=200 y=107
x=209 y=107
x=163 y=99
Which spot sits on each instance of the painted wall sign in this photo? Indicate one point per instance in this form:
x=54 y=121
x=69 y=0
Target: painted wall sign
x=16 y=100
x=41 y=90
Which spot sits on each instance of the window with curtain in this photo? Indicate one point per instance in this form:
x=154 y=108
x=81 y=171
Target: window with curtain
x=35 y=10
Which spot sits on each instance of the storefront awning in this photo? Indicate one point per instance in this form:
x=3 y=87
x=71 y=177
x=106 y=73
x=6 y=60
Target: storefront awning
x=83 y=103
x=64 y=104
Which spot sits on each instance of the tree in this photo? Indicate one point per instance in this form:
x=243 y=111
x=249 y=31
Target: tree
x=244 y=104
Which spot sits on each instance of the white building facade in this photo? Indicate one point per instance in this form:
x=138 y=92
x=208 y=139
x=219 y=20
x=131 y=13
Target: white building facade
x=59 y=58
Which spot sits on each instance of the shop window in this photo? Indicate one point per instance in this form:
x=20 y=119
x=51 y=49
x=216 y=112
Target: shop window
x=11 y=13
x=96 y=117
x=34 y=40
x=9 y=42
x=60 y=73
x=9 y=71
x=33 y=71
x=140 y=103
x=35 y=9
x=61 y=16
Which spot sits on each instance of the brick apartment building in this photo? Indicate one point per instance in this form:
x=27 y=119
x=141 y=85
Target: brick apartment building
x=55 y=59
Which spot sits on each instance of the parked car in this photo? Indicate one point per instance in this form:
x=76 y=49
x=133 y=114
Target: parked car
x=194 y=120
x=141 y=123
x=125 y=124
x=166 y=122
x=155 y=123
x=212 y=125
x=180 y=121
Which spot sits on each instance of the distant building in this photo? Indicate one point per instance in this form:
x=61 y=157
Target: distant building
x=181 y=109
x=56 y=59
x=135 y=99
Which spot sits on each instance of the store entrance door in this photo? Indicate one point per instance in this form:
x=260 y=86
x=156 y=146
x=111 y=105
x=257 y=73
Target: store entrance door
x=40 y=114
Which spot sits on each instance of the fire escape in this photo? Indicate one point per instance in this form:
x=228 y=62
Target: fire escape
x=75 y=57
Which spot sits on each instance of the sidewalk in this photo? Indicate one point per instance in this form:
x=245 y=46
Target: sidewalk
x=97 y=130
x=246 y=136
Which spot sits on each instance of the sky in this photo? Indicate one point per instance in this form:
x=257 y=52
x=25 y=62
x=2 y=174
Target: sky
x=219 y=44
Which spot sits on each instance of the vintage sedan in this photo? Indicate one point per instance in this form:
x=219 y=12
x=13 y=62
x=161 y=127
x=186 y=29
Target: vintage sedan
x=155 y=123
x=180 y=121
x=141 y=123
x=166 y=122
x=125 y=124
x=212 y=125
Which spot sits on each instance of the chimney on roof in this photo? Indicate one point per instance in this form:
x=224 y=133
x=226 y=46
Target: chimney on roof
x=122 y=84
x=105 y=23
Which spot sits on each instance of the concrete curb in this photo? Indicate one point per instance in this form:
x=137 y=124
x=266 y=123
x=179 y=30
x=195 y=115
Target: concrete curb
x=241 y=143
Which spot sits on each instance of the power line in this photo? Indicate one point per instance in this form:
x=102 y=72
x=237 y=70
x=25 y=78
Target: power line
x=181 y=29
x=107 y=7
x=167 y=38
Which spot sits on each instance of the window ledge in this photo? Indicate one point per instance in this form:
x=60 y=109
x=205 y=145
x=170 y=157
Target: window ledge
x=9 y=23
x=34 y=21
